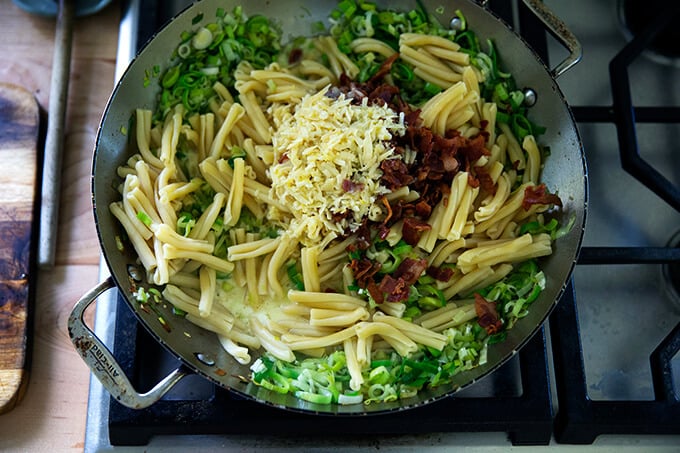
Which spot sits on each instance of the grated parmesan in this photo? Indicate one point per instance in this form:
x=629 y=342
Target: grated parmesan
x=318 y=145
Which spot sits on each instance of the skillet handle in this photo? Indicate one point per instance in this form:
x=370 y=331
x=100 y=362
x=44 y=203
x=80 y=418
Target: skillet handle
x=102 y=363
x=560 y=31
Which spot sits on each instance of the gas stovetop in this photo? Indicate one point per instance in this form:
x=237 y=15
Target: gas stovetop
x=602 y=371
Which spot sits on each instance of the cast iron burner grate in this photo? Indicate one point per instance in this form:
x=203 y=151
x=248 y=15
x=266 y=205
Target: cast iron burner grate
x=638 y=15
x=579 y=419
x=526 y=416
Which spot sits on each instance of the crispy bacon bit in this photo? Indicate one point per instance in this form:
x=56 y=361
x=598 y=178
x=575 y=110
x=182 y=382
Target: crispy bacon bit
x=283 y=158
x=413 y=229
x=383 y=231
x=487 y=316
x=443 y=274
x=384 y=69
x=363 y=241
x=384 y=94
x=395 y=174
x=423 y=209
x=539 y=195
x=351 y=186
x=396 y=288
x=295 y=56
x=470 y=149
x=410 y=270
x=374 y=90
x=364 y=270
x=375 y=292
x=485 y=180
x=412 y=118
x=473 y=181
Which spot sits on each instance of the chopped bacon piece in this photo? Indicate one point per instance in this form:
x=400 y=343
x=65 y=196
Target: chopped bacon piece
x=295 y=56
x=384 y=94
x=440 y=158
x=449 y=150
x=383 y=231
x=539 y=195
x=400 y=295
x=443 y=274
x=375 y=292
x=396 y=288
x=345 y=81
x=364 y=270
x=397 y=210
x=413 y=229
x=423 y=209
x=485 y=180
x=376 y=91
x=410 y=270
x=384 y=69
x=395 y=174
x=412 y=118
x=334 y=92
x=475 y=148
x=363 y=241
x=389 y=285
x=473 y=181
x=487 y=315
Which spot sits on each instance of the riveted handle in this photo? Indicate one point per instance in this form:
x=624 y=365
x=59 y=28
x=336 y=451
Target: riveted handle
x=103 y=364
x=561 y=32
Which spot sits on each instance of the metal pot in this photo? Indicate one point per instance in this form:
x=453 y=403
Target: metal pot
x=199 y=351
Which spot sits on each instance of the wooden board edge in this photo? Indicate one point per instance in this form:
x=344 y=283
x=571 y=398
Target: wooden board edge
x=13 y=384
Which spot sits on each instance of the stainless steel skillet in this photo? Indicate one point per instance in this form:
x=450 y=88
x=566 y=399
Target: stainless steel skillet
x=199 y=351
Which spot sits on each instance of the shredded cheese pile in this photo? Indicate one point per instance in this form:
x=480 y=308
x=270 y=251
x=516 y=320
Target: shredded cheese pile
x=327 y=155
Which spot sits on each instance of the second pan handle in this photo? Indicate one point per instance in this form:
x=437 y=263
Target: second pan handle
x=561 y=32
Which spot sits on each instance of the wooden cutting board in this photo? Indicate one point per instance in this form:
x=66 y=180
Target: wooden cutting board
x=19 y=133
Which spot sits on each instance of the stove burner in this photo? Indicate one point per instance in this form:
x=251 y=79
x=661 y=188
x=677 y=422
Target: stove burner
x=671 y=274
x=642 y=16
